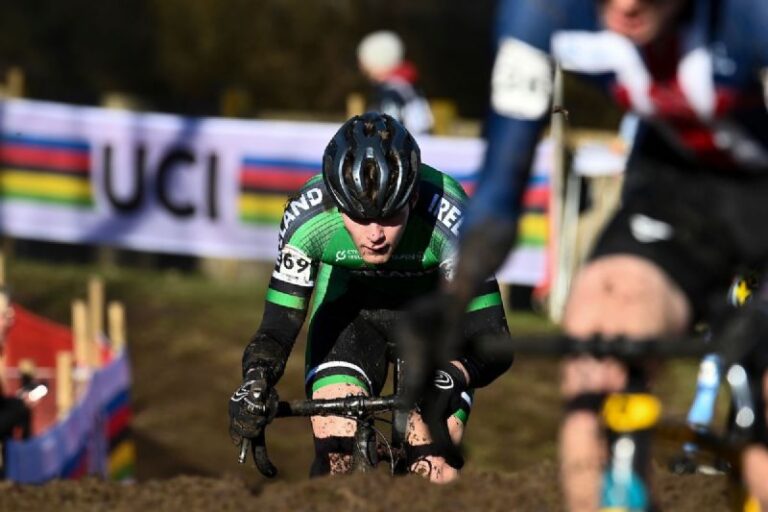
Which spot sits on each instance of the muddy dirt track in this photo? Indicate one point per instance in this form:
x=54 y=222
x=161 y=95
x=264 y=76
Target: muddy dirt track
x=530 y=490
x=189 y=465
x=186 y=356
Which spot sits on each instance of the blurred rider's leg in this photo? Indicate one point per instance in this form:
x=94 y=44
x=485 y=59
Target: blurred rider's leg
x=614 y=295
x=755 y=461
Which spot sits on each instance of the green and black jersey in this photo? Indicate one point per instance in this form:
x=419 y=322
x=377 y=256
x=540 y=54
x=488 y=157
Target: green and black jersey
x=317 y=254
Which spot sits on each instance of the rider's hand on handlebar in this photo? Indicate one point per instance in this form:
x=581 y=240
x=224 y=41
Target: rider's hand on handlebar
x=443 y=399
x=252 y=406
x=439 y=402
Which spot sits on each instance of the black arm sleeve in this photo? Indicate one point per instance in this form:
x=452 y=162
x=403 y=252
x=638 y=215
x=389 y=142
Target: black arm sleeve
x=274 y=340
x=488 y=321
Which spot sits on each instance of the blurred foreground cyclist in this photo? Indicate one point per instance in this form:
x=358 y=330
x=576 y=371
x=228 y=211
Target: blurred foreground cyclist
x=377 y=229
x=694 y=202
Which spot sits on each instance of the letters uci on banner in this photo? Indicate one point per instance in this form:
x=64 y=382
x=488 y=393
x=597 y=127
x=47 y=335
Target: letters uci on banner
x=207 y=187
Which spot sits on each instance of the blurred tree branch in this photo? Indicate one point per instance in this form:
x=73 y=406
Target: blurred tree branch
x=184 y=55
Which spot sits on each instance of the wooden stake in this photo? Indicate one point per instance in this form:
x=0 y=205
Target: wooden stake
x=116 y=318
x=2 y=269
x=80 y=333
x=64 y=384
x=15 y=82
x=26 y=366
x=355 y=104
x=95 y=319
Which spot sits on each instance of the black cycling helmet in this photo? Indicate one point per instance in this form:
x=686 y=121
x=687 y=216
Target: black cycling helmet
x=371 y=166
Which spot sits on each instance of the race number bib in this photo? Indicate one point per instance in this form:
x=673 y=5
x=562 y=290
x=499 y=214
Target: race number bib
x=522 y=80
x=294 y=267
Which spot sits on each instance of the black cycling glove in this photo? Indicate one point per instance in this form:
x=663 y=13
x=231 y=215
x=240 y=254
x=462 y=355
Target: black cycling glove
x=443 y=399
x=252 y=406
x=440 y=402
x=254 y=403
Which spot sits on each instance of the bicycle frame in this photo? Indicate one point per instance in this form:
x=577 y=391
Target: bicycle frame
x=363 y=410
x=627 y=414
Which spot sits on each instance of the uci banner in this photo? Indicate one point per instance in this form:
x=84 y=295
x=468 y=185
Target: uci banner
x=207 y=187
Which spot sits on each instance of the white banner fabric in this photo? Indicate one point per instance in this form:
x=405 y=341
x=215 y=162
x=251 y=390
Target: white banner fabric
x=208 y=187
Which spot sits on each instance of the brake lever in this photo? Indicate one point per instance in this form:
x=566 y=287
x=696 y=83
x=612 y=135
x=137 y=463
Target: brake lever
x=260 y=456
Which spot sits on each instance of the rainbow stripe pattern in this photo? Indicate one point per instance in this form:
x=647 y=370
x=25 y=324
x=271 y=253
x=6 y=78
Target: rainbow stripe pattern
x=533 y=228
x=121 y=458
x=92 y=439
x=266 y=184
x=50 y=170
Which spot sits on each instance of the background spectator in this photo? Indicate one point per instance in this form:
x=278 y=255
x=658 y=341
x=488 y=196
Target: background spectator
x=380 y=57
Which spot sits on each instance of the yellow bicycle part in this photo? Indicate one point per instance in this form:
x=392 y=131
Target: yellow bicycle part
x=751 y=505
x=628 y=412
x=740 y=293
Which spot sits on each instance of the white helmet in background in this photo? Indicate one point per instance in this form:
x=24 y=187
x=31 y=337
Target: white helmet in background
x=380 y=52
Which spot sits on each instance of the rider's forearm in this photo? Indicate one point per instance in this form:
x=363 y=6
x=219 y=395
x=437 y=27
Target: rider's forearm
x=482 y=371
x=460 y=366
x=274 y=339
x=481 y=368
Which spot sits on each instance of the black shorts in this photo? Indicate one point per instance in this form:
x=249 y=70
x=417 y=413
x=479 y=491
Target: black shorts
x=350 y=344
x=701 y=226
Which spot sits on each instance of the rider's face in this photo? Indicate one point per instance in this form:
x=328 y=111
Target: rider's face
x=641 y=21
x=377 y=240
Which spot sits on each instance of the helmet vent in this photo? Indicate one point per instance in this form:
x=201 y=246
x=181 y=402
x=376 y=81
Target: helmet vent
x=373 y=166
x=371 y=180
x=369 y=128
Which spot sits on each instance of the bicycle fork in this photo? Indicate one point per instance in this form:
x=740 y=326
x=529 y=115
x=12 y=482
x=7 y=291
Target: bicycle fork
x=630 y=418
x=365 y=453
x=364 y=456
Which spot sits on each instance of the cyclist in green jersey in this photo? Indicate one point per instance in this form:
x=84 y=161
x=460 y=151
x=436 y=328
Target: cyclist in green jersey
x=376 y=230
